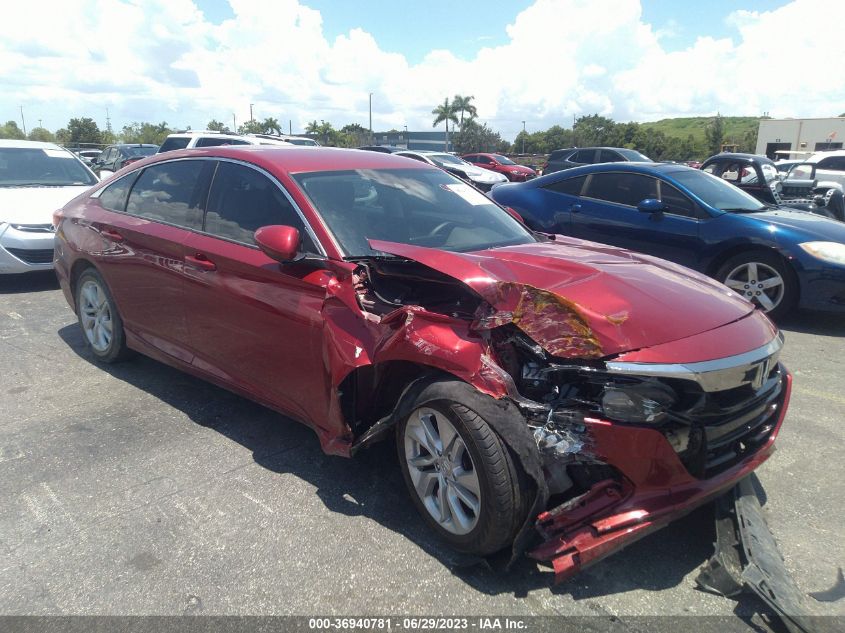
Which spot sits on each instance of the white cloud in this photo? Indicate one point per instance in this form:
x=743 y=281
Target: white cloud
x=162 y=60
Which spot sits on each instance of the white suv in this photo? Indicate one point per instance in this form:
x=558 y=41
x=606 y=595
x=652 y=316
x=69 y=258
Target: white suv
x=36 y=179
x=826 y=168
x=209 y=138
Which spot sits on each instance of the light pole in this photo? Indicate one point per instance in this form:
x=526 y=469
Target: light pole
x=234 y=124
x=250 y=112
x=23 y=123
x=523 y=137
x=371 y=118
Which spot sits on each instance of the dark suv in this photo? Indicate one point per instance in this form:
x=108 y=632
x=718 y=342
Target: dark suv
x=115 y=157
x=575 y=157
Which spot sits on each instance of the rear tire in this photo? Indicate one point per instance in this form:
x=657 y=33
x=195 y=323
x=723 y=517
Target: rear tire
x=460 y=476
x=762 y=278
x=102 y=327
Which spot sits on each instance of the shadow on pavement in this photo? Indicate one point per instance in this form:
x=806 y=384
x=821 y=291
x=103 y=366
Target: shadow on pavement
x=821 y=323
x=371 y=485
x=28 y=282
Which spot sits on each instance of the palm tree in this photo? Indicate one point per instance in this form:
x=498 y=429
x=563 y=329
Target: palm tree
x=464 y=104
x=313 y=127
x=445 y=112
x=271 y=125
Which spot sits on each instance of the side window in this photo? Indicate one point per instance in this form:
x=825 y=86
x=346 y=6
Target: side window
x=621 y=188
x=584 y=156
x=170 y=192
x=484 y=160
x=213 y=141
x=833 y=163
x=243 y=200
x=711 y=168
x=678 y=203
x=472 y=159
x=609 y=156
x=113 y=197
x=570 y=186
x=732 y=172
x=174 y=142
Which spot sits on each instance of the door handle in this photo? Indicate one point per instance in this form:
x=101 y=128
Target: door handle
x=114 y=236
x=575 y=208
x=198 y=260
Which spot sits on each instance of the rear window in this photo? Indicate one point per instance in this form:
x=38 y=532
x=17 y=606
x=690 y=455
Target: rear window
x=171 y=192
x=635 y=156
x=214 y=141
x=174 y=142
x=113 y=197
x=140 y=150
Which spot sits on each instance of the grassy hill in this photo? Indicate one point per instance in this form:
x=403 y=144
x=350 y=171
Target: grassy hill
x=736 y=127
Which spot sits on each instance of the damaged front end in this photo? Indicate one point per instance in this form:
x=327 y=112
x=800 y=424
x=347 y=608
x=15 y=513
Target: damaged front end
x=619 y=437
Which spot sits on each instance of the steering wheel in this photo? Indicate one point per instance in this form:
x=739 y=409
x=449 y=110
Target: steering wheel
x=441 y=228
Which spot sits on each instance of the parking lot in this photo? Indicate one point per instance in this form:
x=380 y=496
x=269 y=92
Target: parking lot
x=137 y=489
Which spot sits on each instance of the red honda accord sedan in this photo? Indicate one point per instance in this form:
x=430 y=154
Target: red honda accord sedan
x=552 y=395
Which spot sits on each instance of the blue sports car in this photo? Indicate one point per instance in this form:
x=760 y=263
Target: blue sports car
x=775 y=257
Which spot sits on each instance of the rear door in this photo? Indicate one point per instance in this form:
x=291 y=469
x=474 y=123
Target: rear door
x=255 y=324
x=607 y=213
x=145 y=223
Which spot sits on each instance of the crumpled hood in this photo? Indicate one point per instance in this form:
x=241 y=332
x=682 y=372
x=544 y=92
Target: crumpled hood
x=35 y=205
x=581 y=299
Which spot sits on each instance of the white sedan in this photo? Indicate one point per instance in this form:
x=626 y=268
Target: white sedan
x=36 y=179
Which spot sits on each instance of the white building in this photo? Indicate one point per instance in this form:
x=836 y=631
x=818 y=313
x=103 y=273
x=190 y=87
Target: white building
x=800 y=135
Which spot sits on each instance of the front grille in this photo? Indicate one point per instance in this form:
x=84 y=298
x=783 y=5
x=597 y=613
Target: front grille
x=33 y=256
x=728 y=426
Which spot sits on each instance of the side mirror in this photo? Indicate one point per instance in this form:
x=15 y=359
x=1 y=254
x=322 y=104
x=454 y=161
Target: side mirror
x=279 y=242
x=652 y=205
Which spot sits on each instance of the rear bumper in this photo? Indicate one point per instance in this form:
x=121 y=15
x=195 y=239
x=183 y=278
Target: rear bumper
x=656 y=489
x=23 y=251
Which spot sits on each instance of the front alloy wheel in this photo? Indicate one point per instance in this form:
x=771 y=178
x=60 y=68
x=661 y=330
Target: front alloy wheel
x=442 y=471
x=758 y=283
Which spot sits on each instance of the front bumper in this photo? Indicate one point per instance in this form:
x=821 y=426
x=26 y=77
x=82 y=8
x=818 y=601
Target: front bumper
x=25 y=248
x=823 y=287
x=655 y=489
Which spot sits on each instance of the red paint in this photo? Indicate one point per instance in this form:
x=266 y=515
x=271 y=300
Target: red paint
x=288 y=335
x=514 y=173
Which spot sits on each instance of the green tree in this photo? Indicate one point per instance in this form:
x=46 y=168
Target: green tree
x=313 y=127
x=83 y=130
x=842 y=115
x=593 y=130
x=217 y=126
x=445 y=112
x=475 y=137
x=41 y=134
x=461 y=105
x=251 y=127
x=11 y=130
x=271 y=126
x=556 y=137
x=145 y=133
x=354 y=135
x=715 y=134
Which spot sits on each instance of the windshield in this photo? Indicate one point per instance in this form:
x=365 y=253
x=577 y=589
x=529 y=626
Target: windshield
x=503 y=160
x=801 y=171
x=49 y=167
x=717 y=193
x=301 y=141
x=422 y=207
x=446 y=159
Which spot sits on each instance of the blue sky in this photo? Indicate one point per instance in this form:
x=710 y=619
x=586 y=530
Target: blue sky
x=540 y=61
x=414 y=28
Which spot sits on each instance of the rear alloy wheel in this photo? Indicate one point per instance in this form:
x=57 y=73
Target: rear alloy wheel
x=460 y=476
x=101 y=324
x=763 y=279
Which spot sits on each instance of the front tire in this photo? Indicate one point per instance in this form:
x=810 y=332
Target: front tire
x=102 y=327
x=460 y=476
x=762 y=278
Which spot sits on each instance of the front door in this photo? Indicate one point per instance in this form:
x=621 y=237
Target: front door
x=255 y=324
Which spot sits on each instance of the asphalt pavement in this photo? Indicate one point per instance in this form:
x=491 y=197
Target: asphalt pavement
x=136 y=489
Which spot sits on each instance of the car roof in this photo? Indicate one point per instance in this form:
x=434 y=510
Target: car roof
x=651 y=169
x=817 y=156
x=11 y=142
x=748 y=158
x=295 y=159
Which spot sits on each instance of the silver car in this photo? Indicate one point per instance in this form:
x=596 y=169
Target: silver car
x=36 y=179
